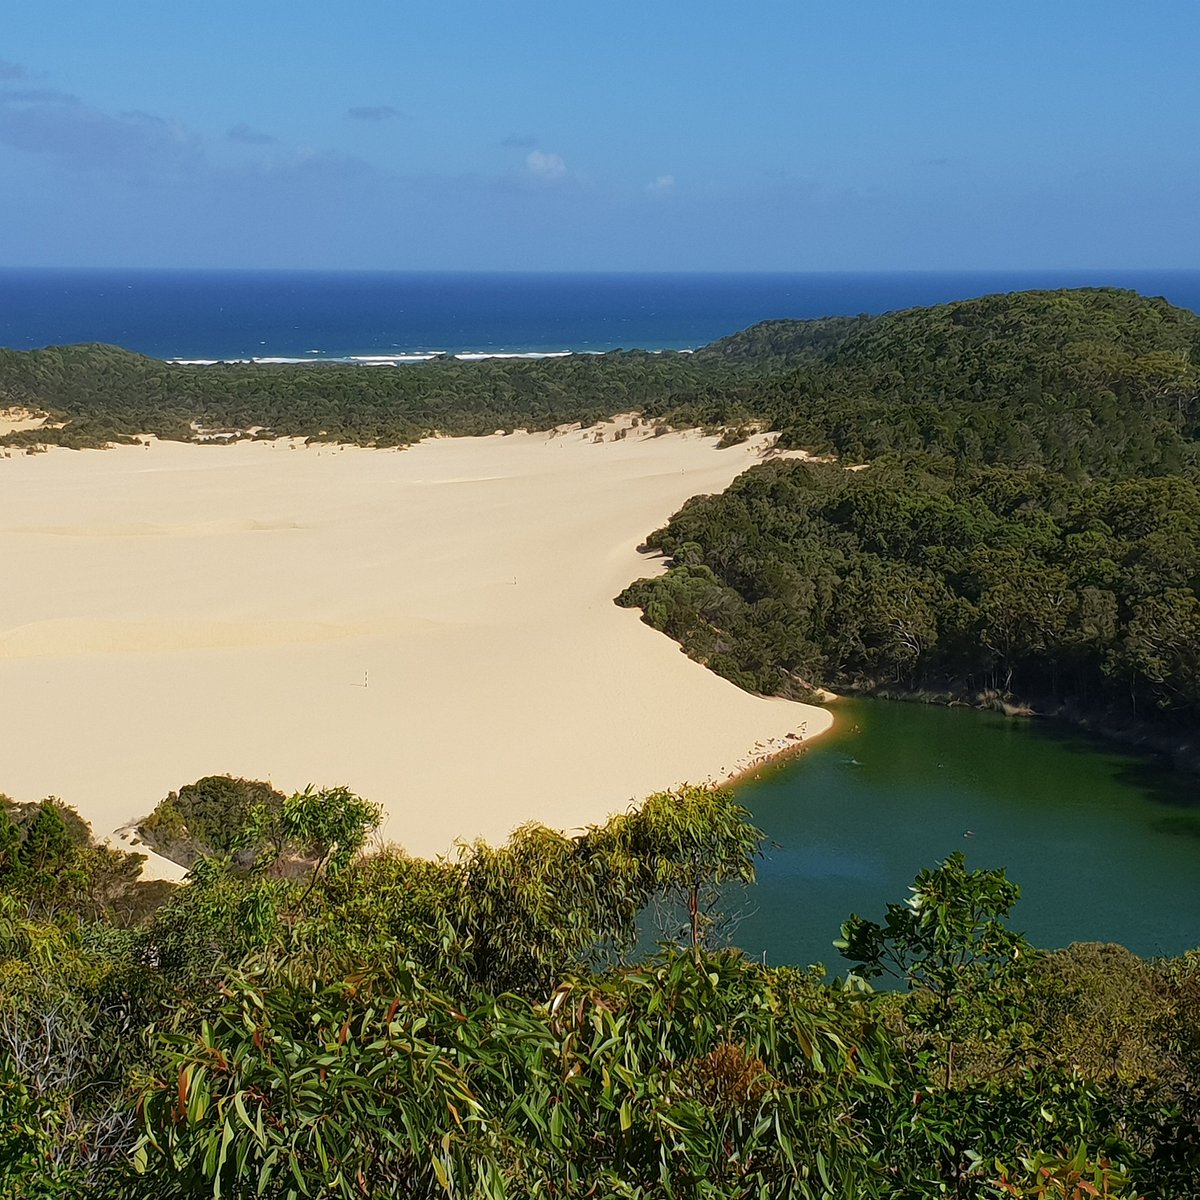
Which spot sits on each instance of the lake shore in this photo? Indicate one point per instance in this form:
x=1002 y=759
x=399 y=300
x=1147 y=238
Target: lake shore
x=433 y=628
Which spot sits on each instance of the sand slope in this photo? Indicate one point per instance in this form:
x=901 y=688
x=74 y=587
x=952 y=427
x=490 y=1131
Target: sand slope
x=179 y=610
x=12 y=420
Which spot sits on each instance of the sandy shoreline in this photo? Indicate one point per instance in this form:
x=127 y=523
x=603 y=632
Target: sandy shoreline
x=181 y=610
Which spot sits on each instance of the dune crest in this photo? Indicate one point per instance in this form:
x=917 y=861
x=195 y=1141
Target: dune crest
x=433 y=628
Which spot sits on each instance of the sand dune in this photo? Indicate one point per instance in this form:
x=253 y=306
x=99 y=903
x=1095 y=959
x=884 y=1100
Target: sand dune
x=68 y=637
x=432 y=627
x=12 y=420
x=136 y=529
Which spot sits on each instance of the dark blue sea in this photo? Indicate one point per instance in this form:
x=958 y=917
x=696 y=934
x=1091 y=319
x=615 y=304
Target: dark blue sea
x=209 y=315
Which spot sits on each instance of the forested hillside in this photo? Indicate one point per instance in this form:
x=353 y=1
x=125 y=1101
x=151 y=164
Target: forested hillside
x=1028 y=523
x=949 y=577
x=781 y=344
x=1091 y=381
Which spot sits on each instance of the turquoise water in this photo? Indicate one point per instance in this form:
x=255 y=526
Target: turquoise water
x=1105 y=844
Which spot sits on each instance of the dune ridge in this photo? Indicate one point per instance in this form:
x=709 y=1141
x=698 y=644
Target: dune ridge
x=432 y=627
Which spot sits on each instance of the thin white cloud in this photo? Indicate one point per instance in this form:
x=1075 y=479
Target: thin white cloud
x=661 y=183
x=545 y=166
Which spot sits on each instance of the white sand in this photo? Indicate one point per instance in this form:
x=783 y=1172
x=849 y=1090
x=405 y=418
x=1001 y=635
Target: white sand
x=178 y=610
x=13 y=420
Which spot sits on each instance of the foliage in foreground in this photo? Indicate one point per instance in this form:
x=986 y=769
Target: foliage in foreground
x=473 y=1027
x=637 y=1084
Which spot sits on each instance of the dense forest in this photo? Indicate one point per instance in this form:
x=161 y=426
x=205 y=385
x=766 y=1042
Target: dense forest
x=301 y=1019
x=1028 y=525
x=103 y=394
x=942 y=576
x=1088 y=382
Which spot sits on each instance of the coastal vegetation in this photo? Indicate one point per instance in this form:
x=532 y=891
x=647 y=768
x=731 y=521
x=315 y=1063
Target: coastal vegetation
x=104 y=394
x=1090 y=382
x=948 y=577
x=1087 y=381
x=311 y=1014
x=216 y=816
x=1028 y=528
x=375 y=1024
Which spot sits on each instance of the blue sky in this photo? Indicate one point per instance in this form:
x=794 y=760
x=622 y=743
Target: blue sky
x=559 y=136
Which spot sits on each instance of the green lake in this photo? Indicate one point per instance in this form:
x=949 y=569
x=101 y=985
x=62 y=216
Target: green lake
x=1105 y=844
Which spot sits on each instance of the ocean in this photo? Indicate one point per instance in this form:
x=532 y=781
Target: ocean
x=399 y=316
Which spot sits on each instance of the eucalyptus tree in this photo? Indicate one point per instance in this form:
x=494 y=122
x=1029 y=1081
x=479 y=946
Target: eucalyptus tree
x=949 y=942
